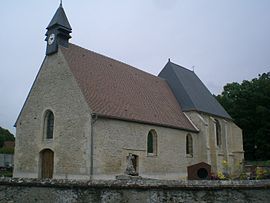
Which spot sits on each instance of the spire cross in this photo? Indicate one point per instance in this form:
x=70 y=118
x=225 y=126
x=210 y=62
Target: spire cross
x=61 y=3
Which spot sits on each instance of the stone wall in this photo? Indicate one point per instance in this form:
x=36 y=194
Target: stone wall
x=54 y=89
x=115 y=139
x=231 y=148
x=133 y=190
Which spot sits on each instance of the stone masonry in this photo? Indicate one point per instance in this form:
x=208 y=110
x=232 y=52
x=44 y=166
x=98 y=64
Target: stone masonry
x=55 y=89
x=132 y=191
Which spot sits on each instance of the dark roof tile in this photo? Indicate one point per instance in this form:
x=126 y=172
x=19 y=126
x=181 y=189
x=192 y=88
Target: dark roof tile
x=190 y=91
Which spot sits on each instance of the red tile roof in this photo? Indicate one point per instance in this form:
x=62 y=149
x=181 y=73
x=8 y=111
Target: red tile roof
x=116 y=90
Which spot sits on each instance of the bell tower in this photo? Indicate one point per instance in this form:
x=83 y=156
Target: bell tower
x=58 y=31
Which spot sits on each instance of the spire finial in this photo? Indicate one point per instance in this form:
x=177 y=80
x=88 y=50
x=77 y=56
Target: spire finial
x=58 y=31
x=169 y=60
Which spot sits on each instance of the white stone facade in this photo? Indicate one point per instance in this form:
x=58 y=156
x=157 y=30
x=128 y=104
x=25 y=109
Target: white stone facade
x=54 y=89
x=114 y=140
x=229 y=155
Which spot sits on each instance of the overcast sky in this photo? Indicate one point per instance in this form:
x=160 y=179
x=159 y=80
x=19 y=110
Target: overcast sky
x=225 y=40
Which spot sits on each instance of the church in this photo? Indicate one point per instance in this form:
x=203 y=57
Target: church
x=88 y=116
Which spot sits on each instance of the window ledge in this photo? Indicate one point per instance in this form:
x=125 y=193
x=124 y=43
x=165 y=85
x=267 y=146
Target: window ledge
x=189 y=155
x=151 y=155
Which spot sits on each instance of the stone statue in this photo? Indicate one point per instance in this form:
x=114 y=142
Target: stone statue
x=130 y=170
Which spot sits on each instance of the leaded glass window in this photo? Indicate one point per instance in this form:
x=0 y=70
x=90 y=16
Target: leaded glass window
x=49 y=125
x=189 y=144
x=218 y=133
x=152 y=142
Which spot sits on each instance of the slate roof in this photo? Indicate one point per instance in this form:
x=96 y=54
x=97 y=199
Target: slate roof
x=190 y=92
x=116 y=90
x=60 y=18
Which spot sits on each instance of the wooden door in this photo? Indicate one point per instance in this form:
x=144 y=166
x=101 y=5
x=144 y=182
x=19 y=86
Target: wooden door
x=47 y=163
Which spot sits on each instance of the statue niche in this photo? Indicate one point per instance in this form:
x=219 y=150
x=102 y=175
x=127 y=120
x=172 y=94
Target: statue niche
x=132 y=165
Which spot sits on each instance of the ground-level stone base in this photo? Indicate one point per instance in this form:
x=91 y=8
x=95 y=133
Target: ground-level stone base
x=123 y=191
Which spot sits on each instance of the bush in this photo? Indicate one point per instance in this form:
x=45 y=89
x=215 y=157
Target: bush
x=6 y=150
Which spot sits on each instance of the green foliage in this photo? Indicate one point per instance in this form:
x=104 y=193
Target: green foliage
x=259 y=163
x=5 y=135
x=260 y=173
x=6 y=150
x=249 y=105
x=221 y=176
x=5 y=173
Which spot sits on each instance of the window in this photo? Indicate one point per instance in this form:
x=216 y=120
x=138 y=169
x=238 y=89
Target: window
x=49 y=124
x=218 y=133
x=152 y=143
x=189 y=145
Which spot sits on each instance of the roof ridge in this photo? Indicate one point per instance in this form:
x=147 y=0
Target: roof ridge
x=108 y=57
x=179 y=66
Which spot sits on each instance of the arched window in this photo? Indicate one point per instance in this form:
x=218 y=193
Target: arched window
x=152 y=143
x=49 y=124
x=218 y=133
x=189 y=145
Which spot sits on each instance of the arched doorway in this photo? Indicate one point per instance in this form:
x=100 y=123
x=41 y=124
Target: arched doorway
x=46 y=156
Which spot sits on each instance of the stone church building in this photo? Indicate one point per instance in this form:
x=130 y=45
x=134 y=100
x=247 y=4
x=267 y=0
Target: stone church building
x=88 y=116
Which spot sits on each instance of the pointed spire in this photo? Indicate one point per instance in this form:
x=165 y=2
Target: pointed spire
x=60 y=18
x=58 y=31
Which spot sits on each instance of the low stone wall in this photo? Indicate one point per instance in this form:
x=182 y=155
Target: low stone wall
x=132 y=190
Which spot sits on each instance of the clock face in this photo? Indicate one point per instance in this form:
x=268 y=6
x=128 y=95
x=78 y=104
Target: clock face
x=51 y=39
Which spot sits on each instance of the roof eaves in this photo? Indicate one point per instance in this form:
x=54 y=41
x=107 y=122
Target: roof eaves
x=195 y=130
x=207 y=113
x=191 y=122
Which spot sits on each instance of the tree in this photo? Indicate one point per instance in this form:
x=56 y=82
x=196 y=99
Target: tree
x=5 y=135
x=248 y=104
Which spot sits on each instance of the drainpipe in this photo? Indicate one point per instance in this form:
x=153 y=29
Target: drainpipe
x=94 y=118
